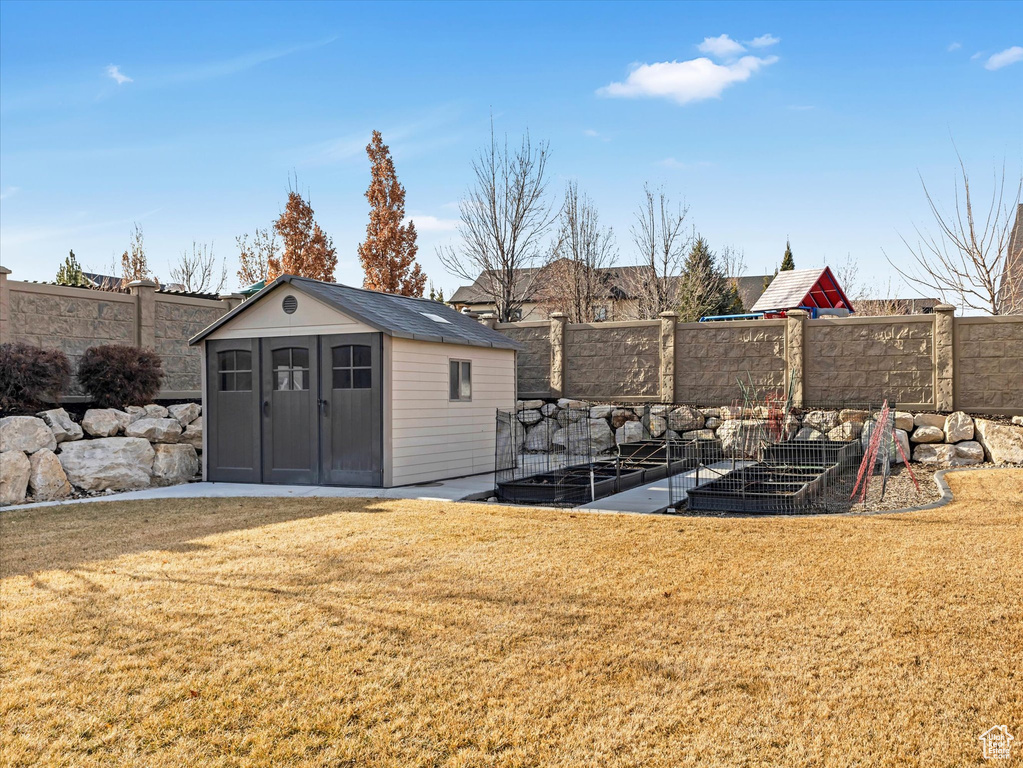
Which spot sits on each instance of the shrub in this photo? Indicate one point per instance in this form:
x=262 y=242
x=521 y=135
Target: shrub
x=116 y=376
x=29 y=373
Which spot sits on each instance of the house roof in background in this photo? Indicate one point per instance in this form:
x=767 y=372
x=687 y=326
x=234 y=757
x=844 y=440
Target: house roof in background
x=399 y=316
x=751 y=288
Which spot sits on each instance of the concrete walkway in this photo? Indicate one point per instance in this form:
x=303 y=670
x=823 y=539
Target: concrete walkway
x=458 y=489
x=654 y=498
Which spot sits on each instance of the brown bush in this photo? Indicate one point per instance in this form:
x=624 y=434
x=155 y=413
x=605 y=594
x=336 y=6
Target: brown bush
x=29 y=373
x=116 y=376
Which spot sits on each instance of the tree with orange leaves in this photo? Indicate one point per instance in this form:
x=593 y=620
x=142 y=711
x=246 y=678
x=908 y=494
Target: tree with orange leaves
x=307 y=250
x=388 y=255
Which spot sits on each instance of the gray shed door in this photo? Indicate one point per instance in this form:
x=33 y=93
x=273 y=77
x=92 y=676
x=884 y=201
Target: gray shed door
x=232 y=424
x=290 y=410
x=351 y=436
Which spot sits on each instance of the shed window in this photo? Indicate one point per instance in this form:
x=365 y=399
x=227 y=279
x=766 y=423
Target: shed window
x=353 y=366
x=234 y=368
x=291 y=369
x=461 y=380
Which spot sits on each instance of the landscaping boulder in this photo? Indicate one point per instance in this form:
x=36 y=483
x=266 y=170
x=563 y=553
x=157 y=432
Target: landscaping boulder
x=154 y=411
x=602 y=439
x=929 y=420
x=806 y=433
x=929 y=453
x=193 y=434
x=847 y=415
x=155 y=430
x=1018 y=421
x=968 y=452
x=630 y=432
x=600 y=411
x=566 y=416
x=927 y=435
x=47 y=480
x=565 y=402
x=1003 y=444
x=575 y=438
x=530 y=405
x=540 y=437
x=659 y=410
x=620 y=416
x=822 y=421
x=699 y=434
x=25 y=433
x=708 y=412
x=135 y=412
x=712 y=422
x=59 y=422
x=530 y=417
x=686 y=419
x=15 y=469
x=174 y=464
x=185 y=413
x=902 y=436
x=958 y=427
x=849 y=430
x=729 y=412
x=109 y=463
x=657 y=426
x=105 y=422
x=743 y=438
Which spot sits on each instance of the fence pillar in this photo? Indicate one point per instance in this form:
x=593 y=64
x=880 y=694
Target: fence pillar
x=794 y=354
x=489 y=320
x=231 y=300
x=558 y=322
x=667 y=353
x=5 y=307
x=944 y=358
x=144 y=292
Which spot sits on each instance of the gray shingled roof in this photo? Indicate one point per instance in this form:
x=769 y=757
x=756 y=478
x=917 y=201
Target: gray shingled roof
x=400 y=316
x=787 y=290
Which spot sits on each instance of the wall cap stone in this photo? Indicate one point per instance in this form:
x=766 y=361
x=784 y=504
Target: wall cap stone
x=142 y=284
x=943 y=308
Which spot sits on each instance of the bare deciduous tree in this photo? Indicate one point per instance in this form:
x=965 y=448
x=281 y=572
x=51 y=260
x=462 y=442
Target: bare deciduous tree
x=198 y=272
x=134 y=265
x=576 y=280
x=254 y=258
x=504 y=219
x=661 y=241
x=966 y=261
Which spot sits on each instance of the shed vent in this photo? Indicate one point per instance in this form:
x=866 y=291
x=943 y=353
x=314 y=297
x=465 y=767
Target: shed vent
x=290 y=304
x=435 y=318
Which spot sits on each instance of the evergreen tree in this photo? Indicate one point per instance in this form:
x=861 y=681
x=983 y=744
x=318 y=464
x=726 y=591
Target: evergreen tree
x=787 y=262
x=70 y=272
x=705 y=289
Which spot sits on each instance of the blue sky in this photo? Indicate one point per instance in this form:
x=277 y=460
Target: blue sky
x=770 y=119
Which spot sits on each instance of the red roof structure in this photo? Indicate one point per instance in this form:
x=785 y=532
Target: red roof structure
x=806 y=288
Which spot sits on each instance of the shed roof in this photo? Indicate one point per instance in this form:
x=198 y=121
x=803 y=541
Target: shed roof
x=802 y=287
x=404 y=317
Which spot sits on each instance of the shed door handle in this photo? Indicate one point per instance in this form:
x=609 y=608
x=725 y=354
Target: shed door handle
x=266 y=407
x=324 y=407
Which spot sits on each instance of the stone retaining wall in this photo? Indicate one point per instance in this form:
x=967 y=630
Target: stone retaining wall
x=49 y=456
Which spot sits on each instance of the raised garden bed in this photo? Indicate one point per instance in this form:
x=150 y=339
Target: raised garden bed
x=763 y=489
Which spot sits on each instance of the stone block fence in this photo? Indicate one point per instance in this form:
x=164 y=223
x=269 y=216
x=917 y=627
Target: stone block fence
x=73 y=319
x=934 y=362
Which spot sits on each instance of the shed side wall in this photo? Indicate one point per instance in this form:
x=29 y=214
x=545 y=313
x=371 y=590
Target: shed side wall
x=431 y=437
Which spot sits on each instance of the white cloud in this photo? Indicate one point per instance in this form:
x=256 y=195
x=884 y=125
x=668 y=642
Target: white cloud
x=432 y=223
x=1005 y=58
x=686 y=81
x=590 y=132
x=114 y=73
x=721 y=47
x=977 y=55
x=9 y=193
x=801 y=107
x=763 y=41
x=671 y=162
x=954 y=47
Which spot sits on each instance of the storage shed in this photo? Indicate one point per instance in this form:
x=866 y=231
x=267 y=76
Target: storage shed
x=323 y=384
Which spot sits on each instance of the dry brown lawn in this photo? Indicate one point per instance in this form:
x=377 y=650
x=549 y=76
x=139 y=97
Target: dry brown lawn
x=353 y=632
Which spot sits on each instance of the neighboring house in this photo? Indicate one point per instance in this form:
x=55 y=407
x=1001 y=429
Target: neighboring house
x=103 y=282
x=1010 y=291
x=880 y=307
x=319 y=383
x=618 y=302
x=814 y=289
